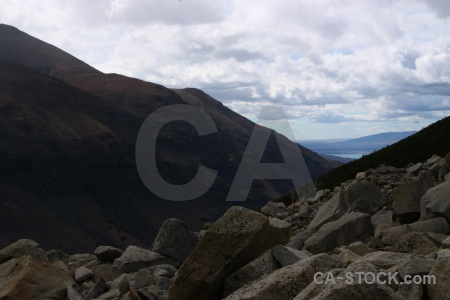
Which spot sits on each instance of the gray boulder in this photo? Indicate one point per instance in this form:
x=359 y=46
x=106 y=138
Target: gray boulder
x=414 y=265
x=415 y=169
x=383 y=259
x=107 y=253
x=287 y=256
x=238 y=237
x=82 y=273
x=342 y=290
x=272 y=208
x=174 y=240
x=21 y=248
x=254 y=270
x=359 y=196
x=446 y=243
x=407 y=197
x=382 y=217
x=286 y=282
x=435 y=202
x=440 y=289
x=352 y=227
x=415 y=243
x=135 y=258
x=391 y=235
x=436 y=225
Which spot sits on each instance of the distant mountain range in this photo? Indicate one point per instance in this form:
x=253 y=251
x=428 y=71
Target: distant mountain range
x=68 y=176
x=362 y=145
x=432 y=140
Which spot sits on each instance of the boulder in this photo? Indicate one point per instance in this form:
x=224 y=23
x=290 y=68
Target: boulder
x=446 y=243
x=366 y=194
x=72 y=294
x=436 y=225
x=237 y=238
x=286 y=256
x=358 y=248
x=27 y=278
x=415 y=169
x=443 y=254
x=174 y=240
x=391 y=235
x=440 y=289
x=57 y=255
x=103 y=271
x=413 y=265
x=304 y=211
x=136 y=258
x=99 y=288
x=407 y=197
x=82 y=273
x=347 y=257
x=107 y=253
x=272 y=208
x=382 y=217
x=21 y=248
x=342 y=290
x=121 y=283
x=286 y=282
x=383 y=259
x=435 y=202
x=254 y=270
x=415 y=243
x=350 y=228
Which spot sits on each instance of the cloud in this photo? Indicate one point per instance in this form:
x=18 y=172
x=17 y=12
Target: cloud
x=324 y=62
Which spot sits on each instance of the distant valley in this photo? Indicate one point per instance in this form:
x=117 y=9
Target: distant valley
x=345 y=150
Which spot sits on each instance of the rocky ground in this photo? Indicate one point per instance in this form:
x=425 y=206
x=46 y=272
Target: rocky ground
x=387 y=220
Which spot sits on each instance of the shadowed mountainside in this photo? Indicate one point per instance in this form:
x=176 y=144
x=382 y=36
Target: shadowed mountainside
x=68 y=176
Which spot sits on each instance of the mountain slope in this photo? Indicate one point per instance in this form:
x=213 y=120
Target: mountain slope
x=434 y=139
x=68 y=147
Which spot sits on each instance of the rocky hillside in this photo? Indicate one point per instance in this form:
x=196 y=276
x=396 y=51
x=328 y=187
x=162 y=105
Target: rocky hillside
x=390 y=223
x=68 y=176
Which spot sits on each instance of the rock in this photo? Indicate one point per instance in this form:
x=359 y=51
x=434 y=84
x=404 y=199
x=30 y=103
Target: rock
x=375 y=244
x=103 y=271
x=360 y=175
x=411 y=291
x=135 y=258
x=77 y=260
x=443 y=254
x=382 y=217
x=350 y=228
x=286 y=256
x=21 y=248
x=383 y=259
x=286 y=282
x=72 y=294
x=435 y=202
x=436 y=225
x=441 y=288
x=446 y=243
x=238 y=237
x=391 y=235
x=57 y=255
x=142 y=278
x=436 y=238
x=297 y=241
x=319 y=196
x=347 y=257
x=304 y=211
x=27 y=278
x=174 y=240
x=413 y=265
x=272 y=208
x=110 y=295
x=107 y=253
x=82 y=273
x=415 y=243
x=342 y=290
x=433 y=160
x=121 y=283
x=358 y=248
x=363 y=191
x=447 y=159
x=407 y=197
x=254 y=270
x=415 y=169
x=99 y=288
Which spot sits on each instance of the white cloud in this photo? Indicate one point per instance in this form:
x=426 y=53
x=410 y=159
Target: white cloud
x=325 y=61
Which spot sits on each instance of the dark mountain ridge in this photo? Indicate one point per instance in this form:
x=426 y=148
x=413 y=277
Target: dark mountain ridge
x=68 y=175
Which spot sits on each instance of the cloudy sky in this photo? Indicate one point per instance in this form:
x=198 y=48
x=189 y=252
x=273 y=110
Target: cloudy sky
x=340 y=69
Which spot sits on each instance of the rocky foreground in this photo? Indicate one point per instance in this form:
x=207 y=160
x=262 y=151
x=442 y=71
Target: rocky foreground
x=387 y=220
